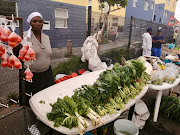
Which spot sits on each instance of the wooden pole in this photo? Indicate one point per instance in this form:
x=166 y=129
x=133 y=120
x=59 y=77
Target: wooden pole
x=69 y=47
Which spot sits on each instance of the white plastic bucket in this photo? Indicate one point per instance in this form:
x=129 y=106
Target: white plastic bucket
x=128 y=126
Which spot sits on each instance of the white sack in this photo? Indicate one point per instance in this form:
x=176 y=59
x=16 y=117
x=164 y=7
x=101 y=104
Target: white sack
x=141 y=114
x=89 y=53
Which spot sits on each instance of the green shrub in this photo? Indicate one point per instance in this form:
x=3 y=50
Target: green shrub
x=70 y=66
x=116 y=55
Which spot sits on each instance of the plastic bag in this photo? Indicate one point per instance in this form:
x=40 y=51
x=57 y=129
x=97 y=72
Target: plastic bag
x=28 y=75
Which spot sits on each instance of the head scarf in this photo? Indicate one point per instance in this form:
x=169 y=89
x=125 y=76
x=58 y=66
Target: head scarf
x=30 y=17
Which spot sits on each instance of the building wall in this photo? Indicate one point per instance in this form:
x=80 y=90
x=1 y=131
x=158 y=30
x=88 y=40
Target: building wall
x=159 y=13
x=166 y=18
x=162 y=13
x=171 y=6
x=138 y=11
x=58 y=36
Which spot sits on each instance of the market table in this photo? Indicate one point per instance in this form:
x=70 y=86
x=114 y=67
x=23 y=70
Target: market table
x=160 y=89
x=65 y=88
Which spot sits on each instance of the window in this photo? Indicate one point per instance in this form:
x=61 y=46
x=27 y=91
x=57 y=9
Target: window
x=146 y=5
x=135 y=3
x=165 y=14
x=154 y=19
x=168 y=2
x=152 y=6
x=61 y=16
x=173 y=4
x=115 y=21
x=159 y=20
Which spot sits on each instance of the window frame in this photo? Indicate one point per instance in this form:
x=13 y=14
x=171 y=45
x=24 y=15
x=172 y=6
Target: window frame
x=115 y=21
x=61 y=18
x=135 y=3
x=146 y=5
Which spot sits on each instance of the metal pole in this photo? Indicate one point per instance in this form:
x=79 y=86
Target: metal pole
x=130 y=32
x=178 y=37
x=89 y=17
x=22 y=96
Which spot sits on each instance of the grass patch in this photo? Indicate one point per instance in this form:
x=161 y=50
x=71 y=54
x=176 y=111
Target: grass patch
x=12 y=95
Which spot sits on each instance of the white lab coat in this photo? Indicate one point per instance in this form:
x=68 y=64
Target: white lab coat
x=147 y=44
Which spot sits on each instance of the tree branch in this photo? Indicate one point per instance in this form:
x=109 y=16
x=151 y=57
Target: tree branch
x=115 y=9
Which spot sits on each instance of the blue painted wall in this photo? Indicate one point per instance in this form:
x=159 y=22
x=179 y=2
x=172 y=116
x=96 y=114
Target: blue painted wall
x=166 y=19
x=138 y=11
x=159 y=12
x=58 y=36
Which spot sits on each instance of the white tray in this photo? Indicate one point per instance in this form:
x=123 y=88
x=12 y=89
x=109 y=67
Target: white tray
x=165 y=86
x=65 y=88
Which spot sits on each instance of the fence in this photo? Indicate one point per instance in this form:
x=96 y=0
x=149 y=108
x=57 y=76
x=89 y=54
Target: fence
x=137 y=28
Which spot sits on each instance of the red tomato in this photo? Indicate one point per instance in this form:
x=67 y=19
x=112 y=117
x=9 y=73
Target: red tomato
x=74 y=75
x=12 y=44
x=69 y=76
x=81 y=71
x=1 y=53
x=5 y=31
x=31 y=52
x=10 y=65
x=26 y=46
x=62 y=79
x=27 y=71
x=27 y=57
x=2 y=48
x=13 y=37
x=56 y=81
x=65 y=77
x=23 y=51
x=33 y=57
x=4 y=38
x=19 y=40
x=4 y=63
x=12 y=59
x=28 y=77
x=5 y=56
x=20 y=57
x=18 y=64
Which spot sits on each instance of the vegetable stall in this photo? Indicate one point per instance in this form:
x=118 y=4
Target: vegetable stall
x=91 y=100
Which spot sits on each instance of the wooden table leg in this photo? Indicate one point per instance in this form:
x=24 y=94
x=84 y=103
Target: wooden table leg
x=157 y=105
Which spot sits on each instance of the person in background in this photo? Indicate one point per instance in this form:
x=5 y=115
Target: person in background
x=113 y=33
x=175 y=36
x=147 y=42
x=157 y=43
x=41 y=67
